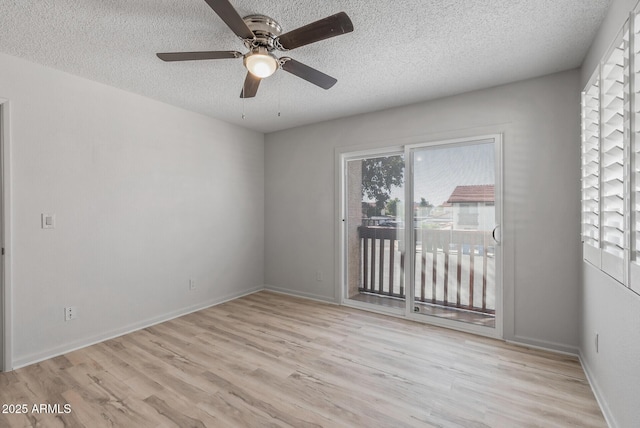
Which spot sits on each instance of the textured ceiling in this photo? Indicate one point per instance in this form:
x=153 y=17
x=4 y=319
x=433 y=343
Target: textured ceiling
x=400 y=52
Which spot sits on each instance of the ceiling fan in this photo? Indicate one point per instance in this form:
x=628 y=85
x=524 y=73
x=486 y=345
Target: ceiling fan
x=262 y=35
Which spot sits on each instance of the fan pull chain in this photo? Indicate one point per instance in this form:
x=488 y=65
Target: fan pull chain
x=243 y=108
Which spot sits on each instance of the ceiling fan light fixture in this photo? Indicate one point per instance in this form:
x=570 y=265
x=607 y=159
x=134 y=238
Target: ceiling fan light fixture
x=262 y=35
x=261 y=63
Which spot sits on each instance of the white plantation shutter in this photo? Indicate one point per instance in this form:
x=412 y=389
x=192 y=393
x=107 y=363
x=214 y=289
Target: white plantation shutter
x=591 y=171
x=612 y=130
x=634 y=154
x=611 y=160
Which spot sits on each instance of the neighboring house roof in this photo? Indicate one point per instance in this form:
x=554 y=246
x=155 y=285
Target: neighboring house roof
x=477 y=193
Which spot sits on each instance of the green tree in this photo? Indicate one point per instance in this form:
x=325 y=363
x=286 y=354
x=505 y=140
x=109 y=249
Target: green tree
x=392 y=207
x=379 y=176
x=424 y=203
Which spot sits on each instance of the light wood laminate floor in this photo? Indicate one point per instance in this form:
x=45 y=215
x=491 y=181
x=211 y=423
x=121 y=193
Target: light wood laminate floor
x=269 y=360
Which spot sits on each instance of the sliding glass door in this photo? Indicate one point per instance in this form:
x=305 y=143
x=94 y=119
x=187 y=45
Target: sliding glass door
x=374 y=230
x=437 y=257
x=455 y=190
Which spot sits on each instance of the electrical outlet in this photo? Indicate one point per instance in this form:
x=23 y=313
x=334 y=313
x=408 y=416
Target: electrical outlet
x=319 y=276
x=192 y=284
x=48 y=221
x=70 y=313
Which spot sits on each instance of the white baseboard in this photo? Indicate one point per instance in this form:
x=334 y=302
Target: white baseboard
x=606 y=412
x=302 y=294
x=83 y=343
x=544 y=345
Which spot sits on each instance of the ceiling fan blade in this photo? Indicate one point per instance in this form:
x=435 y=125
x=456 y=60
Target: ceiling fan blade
x=250 y=87
x=326 y=28
x=230 y=16
x=308 y=73
x=194 y=56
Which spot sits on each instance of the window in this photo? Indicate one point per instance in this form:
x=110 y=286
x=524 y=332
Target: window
x=610 y=155
x=468 y=215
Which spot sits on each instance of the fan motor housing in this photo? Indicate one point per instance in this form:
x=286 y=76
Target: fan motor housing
x=264 y=28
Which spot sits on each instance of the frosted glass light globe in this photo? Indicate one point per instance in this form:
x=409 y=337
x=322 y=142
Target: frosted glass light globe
x=261 y=64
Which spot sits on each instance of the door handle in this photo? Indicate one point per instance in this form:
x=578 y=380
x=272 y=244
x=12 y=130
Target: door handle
x=493 y=234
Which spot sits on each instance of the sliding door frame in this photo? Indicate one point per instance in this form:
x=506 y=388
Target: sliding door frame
x=342 y=157
x=6 y=362
x=381 y=148
x=496 y=331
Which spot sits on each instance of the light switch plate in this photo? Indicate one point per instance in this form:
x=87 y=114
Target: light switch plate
x=48 y=221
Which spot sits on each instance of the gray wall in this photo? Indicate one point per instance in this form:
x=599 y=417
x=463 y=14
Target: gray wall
x=540 y=122
x=607 y=307
x=146 y=196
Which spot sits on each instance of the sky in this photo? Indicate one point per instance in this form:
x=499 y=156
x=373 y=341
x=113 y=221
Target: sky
x=439 y=169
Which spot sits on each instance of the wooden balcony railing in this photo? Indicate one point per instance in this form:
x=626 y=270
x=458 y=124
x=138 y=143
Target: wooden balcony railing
x=454 y=268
